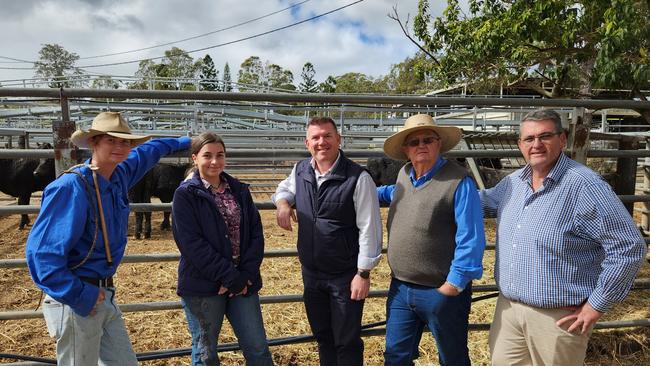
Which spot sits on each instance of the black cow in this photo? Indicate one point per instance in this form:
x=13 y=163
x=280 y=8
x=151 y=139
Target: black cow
x=21 y=177
x=384 y=170
x=161 y=181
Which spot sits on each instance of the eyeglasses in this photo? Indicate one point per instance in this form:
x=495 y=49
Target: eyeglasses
x=544 y=138
x=425 y=141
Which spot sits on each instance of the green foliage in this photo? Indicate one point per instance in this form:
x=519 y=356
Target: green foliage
x=171 y=73
x=308 y=84
x=105 y=82
x=227 y=79
x=255 y=73
x=560 y=48
x=411 y=76
x=57 y=65
x=209 y=75
x=328 y=86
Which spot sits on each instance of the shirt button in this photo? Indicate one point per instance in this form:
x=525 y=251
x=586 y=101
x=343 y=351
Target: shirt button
x=518 y=226
x=514 y=245
x=525 y=207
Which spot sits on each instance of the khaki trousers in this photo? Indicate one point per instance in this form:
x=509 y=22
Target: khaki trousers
x=524 y=335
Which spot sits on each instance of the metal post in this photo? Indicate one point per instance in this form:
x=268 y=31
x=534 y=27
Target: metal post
x=65 y=154
x=578 y=143
x=645 y=212
x=626 y=172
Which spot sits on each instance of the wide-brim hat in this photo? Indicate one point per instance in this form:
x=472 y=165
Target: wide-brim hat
x=449 y=135
x=107 y=123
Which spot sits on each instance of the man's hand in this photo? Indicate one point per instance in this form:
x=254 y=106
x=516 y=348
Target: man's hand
x=448 y=290
x=359 y=288
x=582 y=319
x=100 y=299
x=284 y=214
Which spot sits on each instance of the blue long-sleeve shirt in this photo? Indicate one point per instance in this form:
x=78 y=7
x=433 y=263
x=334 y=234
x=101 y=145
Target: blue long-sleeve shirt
x=470 y=234
x=64 y=231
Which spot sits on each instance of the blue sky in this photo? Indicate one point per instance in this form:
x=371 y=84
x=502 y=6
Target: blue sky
x=359 y=38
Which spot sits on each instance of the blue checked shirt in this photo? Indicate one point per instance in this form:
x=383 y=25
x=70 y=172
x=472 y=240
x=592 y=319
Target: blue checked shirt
x=570 y=241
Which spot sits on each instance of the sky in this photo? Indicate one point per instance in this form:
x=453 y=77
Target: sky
x=358 y=38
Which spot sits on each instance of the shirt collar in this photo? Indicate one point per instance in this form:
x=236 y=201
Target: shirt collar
x=312 y=162
x=429 y=174
x=554 y=175
x=223 y=186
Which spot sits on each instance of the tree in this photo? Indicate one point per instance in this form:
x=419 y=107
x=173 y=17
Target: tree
x=328 y=86
x=410 y=76
x=174 y=72
x=354 y=82
x=279 y=78
x=227 y=80
x=209 y=75
x=251 y=72
x=558 y=48
x=57 y=66
x=255 y=73
x=308 y=83
x=105 y=82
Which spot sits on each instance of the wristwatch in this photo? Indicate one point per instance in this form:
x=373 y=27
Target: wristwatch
x=364 y=273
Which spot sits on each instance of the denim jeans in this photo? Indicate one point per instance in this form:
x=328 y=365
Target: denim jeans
x=410 y=307
x=99 y=339
x=205 y=317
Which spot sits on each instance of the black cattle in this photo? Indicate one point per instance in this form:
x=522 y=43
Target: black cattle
x=161 y=181
x=21 y=177
x=384 y=170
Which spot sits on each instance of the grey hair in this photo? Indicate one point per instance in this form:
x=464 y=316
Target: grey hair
x=544 y=115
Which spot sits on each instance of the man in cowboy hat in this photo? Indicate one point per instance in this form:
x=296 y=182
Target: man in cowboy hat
x=339 y=240
x=435 y=244
x=567 y=251
x=79 y=237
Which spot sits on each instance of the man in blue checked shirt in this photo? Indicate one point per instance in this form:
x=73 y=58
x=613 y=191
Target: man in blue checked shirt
x=566 y=251
x=435 y=244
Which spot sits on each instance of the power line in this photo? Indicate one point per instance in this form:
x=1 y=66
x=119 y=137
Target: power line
x=230 y=42
x=200 y=35
x=209 y=47
x=16 y=60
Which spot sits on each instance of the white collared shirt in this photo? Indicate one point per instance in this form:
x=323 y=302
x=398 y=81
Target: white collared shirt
x=366 y=206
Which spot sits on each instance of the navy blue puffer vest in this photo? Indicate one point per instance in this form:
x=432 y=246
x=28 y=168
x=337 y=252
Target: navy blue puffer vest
x=328 y=236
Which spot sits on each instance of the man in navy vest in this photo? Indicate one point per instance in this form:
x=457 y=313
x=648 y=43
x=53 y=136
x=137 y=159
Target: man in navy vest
x=339 y=240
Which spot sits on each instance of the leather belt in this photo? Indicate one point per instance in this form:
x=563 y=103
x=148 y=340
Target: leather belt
x=99 y=282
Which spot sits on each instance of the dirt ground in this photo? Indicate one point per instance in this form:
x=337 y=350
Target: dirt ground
x=164 y=330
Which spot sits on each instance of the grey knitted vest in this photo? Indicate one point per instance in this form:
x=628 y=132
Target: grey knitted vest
x=422 y=227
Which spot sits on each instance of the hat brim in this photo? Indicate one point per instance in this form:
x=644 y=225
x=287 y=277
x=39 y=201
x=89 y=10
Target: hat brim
x=81 y=137
x=449 y=136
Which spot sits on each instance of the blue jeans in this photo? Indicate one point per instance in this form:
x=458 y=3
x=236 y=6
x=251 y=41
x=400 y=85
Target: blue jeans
x=205 y=317
x=410 y=307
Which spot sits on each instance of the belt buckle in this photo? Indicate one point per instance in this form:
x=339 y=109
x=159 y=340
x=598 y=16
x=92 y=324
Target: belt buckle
x=103 y=282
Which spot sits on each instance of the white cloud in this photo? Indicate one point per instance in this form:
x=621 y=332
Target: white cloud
x=359 y=38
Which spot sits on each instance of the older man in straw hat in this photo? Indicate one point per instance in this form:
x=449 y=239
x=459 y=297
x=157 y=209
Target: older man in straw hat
x=435 y=244
x=79 y=237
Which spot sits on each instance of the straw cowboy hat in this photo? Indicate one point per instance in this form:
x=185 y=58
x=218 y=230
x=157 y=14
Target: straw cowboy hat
x=107 y=123
x=449 y=136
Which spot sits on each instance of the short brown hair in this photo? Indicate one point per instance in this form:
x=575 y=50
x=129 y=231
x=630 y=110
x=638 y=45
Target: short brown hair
x=319 y=120
x=204 y=139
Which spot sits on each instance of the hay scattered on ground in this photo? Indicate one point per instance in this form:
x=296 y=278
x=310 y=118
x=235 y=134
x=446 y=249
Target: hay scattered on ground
x=163 y=330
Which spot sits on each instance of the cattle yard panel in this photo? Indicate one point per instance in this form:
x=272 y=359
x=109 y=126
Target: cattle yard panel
x=340 y=102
